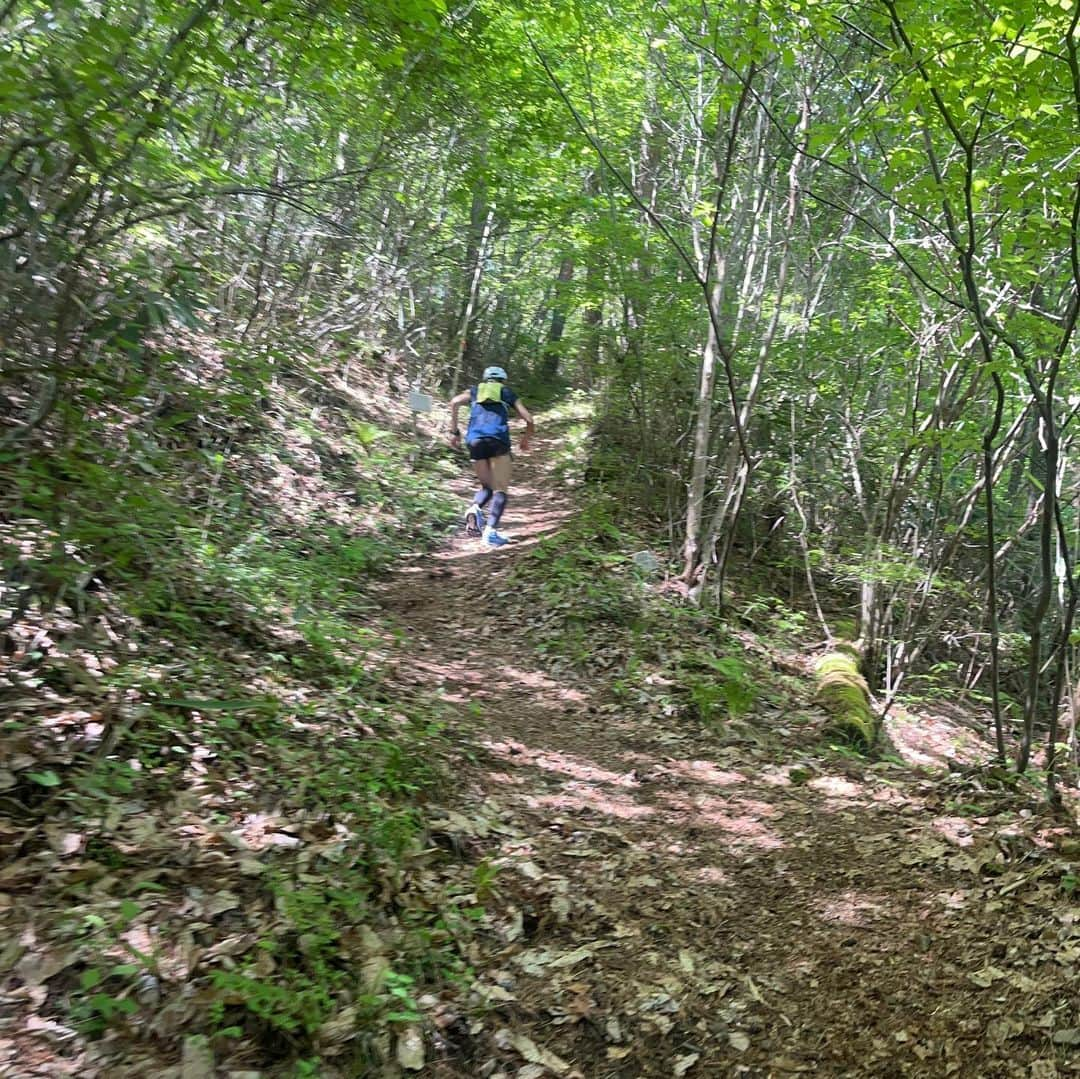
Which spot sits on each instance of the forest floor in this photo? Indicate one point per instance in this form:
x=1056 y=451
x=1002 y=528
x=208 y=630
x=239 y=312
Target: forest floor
x=669 y=899
x=499 y=813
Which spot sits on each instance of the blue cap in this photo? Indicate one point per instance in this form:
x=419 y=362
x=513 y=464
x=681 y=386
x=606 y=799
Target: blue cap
x=494 y=372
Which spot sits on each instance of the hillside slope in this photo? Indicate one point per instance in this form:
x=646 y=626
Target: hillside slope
x=722 y=897
x=521 y=813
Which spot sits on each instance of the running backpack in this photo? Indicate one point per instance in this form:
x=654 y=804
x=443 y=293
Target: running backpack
x=488 y=417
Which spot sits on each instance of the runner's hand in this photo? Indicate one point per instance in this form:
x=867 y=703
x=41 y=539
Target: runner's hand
x=455 y=441
x=524 y=443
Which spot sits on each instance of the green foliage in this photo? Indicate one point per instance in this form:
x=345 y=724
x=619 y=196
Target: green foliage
x=105 y=990
x=724 y=691
x=583 y=580
x=221 y=224
x=573 y=451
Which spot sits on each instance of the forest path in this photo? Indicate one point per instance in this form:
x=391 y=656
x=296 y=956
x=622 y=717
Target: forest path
x=668 y=903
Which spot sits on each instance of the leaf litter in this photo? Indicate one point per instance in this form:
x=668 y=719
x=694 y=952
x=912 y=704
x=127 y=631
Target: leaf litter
x=725 y=915
x=648 y=896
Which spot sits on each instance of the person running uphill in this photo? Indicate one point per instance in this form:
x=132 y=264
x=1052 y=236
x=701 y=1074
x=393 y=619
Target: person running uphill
x=488 y=439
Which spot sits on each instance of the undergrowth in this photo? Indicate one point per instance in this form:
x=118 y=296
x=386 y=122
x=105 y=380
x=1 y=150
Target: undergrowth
x=185 y=608
x=599 y=611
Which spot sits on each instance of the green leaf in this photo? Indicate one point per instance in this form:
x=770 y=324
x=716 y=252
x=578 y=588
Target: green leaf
x=210 y=706
x=105 y=1005
x=45 y=779
x=403 y=1017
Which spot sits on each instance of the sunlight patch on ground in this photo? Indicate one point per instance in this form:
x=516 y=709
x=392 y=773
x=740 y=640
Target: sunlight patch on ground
x=955 y=829
x=933 y=740
x=742 y=820
x=852 y=908
x=562 y=763
x=580 y=797
x=836 y=787
x=703 y=772
x=777 y=776
x=890 y=796
x=539 y=680
x=507 y=779
x=483 y=681
x=711 y=874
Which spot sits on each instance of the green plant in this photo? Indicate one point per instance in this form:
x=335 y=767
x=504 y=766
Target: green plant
x=292 y=1002
x=93 y=1007
x=726 y=685
x=105 y=988
x=484 y=879
x=399 y=991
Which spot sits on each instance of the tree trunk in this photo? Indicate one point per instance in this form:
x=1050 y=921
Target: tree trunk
x=549 y=368
x=470 y=301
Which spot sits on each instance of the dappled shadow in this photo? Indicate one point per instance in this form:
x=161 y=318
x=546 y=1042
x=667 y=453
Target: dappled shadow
x=802 y=915
x=933 y=740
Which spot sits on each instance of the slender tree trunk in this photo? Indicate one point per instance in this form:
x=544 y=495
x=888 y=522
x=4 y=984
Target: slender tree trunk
x=549 y=368
x=695 y=504
x=991 y=568
x=470 y=302
x=1049 y=439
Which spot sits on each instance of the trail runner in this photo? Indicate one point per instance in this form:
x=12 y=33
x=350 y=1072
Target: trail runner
x=488 y=441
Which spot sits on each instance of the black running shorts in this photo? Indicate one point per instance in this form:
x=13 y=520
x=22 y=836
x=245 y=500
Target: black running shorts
x=483 y=449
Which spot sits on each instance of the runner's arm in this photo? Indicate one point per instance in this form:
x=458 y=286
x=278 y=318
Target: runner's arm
x=530 y=427
x=455 y=404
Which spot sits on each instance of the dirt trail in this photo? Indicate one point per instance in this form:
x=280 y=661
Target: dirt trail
x=668 y=904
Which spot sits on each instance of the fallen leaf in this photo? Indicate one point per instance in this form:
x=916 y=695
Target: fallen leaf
x=336 y=1031
x=35 y=970
x=20 y=872
x=739 y=1041
x=373 y=973
x=986 y=977
x=684 y=1064
x=219 y=903
x=516 y=926
x=410 y=1049
x=198 y=1059
x=53 y=1030
x=571 y=959
x=64 y=843
x=535 y=1055
x=1000 y=1030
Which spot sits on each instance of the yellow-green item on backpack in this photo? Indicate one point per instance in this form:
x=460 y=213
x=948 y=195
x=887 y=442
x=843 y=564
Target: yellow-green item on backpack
x=489 y=393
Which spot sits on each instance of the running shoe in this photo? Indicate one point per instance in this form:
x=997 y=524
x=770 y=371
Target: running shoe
x=474 y=521
x=493 y=539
